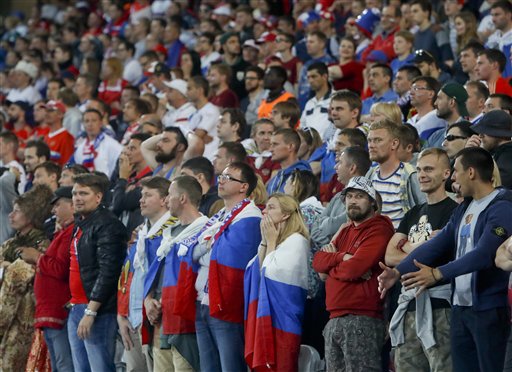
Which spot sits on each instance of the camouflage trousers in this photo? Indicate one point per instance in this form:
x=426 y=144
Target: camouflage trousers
x=354 y=343
x=412 y=356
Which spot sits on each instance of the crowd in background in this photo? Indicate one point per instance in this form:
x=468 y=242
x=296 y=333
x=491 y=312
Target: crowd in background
x=214 y=185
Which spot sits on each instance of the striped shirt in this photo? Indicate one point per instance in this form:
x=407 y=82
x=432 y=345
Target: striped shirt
x=390 y=191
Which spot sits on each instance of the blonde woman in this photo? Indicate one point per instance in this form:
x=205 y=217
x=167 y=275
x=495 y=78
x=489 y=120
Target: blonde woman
x=465 y=28
x=276 y=288
x=385 y=110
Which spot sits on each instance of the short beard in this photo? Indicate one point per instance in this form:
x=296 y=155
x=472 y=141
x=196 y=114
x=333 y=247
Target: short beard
x=164 y=158
x=358 y=215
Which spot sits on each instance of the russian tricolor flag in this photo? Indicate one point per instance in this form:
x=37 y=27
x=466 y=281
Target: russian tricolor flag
x=275 y=295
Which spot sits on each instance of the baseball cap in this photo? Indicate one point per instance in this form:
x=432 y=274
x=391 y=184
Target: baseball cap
x=55 y=106
x=496 y=123
x=266 y=37
x=25 y=106
x=179 y=85
x=459 y=94
x=224 y=38
x=224 y=10
x=422 y=55
x=62 y=192
x=360 y=183
x=251 y=44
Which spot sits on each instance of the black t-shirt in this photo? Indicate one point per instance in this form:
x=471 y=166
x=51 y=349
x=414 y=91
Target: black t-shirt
x=419 y=222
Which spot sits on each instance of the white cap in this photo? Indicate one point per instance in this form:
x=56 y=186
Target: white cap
x=178 y=84
x=360 y=183
x=224 y=10
x=28 y=68
x=251 y=44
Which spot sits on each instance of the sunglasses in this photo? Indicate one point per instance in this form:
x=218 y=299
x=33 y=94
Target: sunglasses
x=452 y=137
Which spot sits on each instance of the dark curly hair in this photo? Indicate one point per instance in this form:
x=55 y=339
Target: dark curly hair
x=35 y=205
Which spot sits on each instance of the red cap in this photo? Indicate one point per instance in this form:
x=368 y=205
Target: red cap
x=159 y=48
x=55 y=105
x=266 y=37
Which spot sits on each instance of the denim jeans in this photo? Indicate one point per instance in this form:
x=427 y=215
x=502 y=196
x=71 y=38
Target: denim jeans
x=221 y=344
x=58 y=347
x=95 y=353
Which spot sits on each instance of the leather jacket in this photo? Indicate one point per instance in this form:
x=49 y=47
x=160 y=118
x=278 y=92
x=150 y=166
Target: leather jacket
x=101 y=252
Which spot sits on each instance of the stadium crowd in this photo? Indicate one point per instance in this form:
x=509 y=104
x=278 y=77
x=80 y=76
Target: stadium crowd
x=209 y=185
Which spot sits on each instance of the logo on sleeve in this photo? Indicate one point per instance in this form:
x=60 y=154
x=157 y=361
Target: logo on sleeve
x=500 y=231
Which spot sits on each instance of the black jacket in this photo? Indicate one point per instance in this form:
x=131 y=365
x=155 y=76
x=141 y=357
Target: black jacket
x=503 y=157
x=101 y=252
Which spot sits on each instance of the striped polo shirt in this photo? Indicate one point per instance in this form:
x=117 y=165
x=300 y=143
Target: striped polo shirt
x=389 y=190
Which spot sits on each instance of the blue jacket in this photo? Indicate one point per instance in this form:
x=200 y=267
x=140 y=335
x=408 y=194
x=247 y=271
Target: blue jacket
x=276 y=184
x=489 y=284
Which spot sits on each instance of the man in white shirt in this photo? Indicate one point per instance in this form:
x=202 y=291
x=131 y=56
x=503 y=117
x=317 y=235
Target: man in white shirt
x=181 y=108
x=207 y=51
x=501 y=13
x=132 y=72
x=23 y=75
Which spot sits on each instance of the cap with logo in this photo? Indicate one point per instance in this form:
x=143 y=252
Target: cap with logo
x=360 y=183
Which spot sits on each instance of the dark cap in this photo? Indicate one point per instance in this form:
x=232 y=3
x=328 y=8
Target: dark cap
x=496 y=123
x=459 y=94
x=225 y=37
x=62 y=192
x=423 y=56
x=161 y=68
x=25 y=106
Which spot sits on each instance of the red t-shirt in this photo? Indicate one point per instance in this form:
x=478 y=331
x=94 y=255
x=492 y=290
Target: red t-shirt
x=352 y=77
x=266 y=169
x=111 y=93
x=291 y=68
x=226 y=99
x=76 y=287
x=61 y=144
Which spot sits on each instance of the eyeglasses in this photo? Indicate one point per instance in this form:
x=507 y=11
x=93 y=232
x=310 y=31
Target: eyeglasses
x=251 y=78
x=416 y=89
x=221 y=178
x=452 y=137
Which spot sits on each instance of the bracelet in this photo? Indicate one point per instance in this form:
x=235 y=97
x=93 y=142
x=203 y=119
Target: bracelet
x=89 y=312
x=433 y=275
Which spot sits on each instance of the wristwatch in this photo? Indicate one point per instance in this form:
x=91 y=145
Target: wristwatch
x=90 y=312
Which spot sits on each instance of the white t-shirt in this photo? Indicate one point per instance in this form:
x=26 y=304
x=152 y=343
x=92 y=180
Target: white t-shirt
x=207 y=119
x=29 y=94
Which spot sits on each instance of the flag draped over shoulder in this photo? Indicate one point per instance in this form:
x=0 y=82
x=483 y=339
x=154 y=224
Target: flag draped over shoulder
x=172 y=323
x=234 y=246
x=275 y=294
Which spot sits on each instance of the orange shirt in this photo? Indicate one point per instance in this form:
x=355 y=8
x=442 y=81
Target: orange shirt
x=266 y=107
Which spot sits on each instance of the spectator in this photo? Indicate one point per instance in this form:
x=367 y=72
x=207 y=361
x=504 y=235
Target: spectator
x=231 y=49
x=351 y=305
x=133 y=110
x=423 y=95
x=255 y=93
x=451 y=27
x=428 y=66
x=251 y=53
x=164 y=153
x=7 y=197
x=84 y=89
x=468 y=57
x=394 y=180
x=284 y=44
x=420 y=225
x=51 y=284
x=231 y=126
x=52 y=88
x=493 y=136
x=315 y=114
x=59 y=140
x=190 y=64
x=68 y=172
x=409 y=144
x=72 y=119
x=206 y=51
x=174 y=338
x=140 y=257
x=379 y=80
x=257 y=147
x=402 y=85
x=176 y=95
x=310 y=141
x=498 y=101
x=23 y=77
x=47 y=173
x=8 y=157
x=17 y=113
x=385 y=110
x=451 y=107
x=112 y=84
x=490 y=65
x=465 y=29
x=132 y=71
x=402 y=46
x=477 y=95
x=383 y=42
x=273 y=81
x=126 y=194
x=17 y=297
x=501 y=39
x=97 y=151
x=205 y=120
x=219 y=77
x=93 y=278
x=277 y=251
x=229 y=152
x=474 y=253
x=347 y=73
x=315 y=44
x=427 y=38
x=222 y=265
x=202 y=170
x=284 y=147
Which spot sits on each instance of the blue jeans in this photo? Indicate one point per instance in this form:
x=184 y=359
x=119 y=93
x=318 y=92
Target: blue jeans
x=221 y=344
x=58 y=347
x=97 y=352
